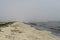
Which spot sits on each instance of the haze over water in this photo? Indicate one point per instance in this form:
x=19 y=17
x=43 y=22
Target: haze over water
x=29 y=10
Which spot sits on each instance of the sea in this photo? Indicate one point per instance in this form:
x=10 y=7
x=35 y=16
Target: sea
x=53 y=27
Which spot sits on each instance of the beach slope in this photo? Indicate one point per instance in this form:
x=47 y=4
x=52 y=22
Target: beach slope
x=21 y=31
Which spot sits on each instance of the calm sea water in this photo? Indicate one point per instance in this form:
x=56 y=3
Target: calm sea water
x=54 y=27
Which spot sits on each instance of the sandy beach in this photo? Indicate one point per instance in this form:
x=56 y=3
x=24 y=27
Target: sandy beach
x=21 y=31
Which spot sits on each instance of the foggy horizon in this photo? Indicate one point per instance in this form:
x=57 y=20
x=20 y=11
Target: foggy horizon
x=30 y=10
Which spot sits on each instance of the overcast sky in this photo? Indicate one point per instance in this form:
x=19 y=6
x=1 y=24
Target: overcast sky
x=30 y=10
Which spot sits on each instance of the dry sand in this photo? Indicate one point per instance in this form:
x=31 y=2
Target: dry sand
x=21 y=31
